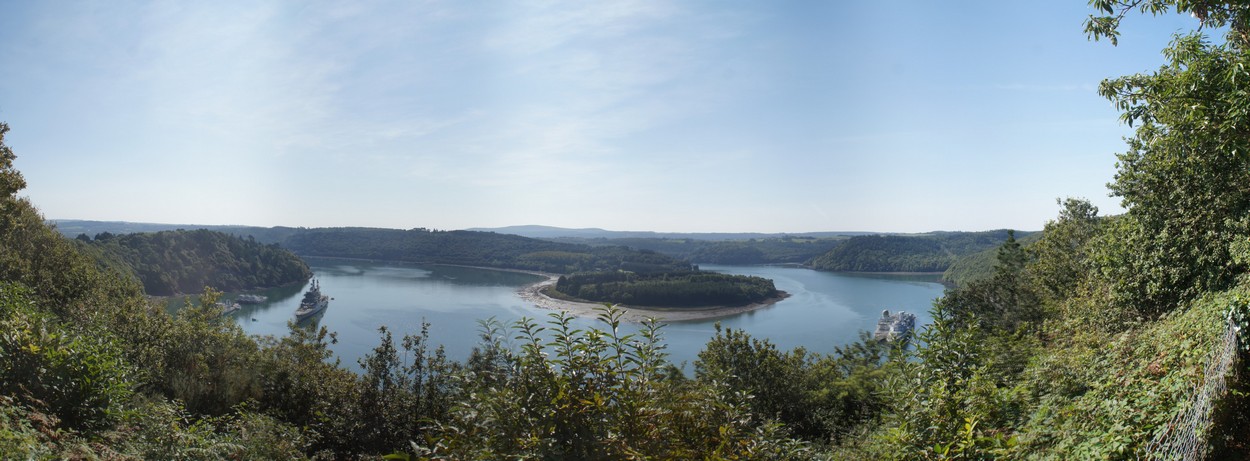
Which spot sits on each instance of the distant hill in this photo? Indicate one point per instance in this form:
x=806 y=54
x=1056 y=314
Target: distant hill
x=473 y=248
x=773 y=250
x=980 y=265
x=932 y=252
x=486 y=249
x=548 y=232
x=558 y=249
x=75 y=227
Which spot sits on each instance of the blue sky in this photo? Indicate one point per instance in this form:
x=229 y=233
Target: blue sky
x=903 y=116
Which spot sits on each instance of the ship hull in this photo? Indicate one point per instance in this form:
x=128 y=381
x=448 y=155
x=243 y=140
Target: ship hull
x=305 y=312
x=313 y=302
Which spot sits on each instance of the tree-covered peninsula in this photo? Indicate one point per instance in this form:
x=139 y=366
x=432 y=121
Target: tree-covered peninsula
x=183 y=262
x=667 y=289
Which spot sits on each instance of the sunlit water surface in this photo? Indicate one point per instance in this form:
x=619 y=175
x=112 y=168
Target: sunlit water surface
x=824 y=309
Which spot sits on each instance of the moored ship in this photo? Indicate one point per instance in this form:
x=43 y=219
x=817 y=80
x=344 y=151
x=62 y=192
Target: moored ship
x=227 y=309
x=893 y=327
x=313 y=302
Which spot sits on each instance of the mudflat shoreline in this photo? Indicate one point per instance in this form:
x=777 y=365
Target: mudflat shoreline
x=533 y=294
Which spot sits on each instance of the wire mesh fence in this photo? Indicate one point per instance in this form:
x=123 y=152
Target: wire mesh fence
x=1187 y=436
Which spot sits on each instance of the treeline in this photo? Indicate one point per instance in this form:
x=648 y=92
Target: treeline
x=763 y=250
x=787 y=250
x=74 y=227
x=933 y=252
x=980 y=265
x=470 y=248
x=667 y=289
x=476 y=249
x=180 y=262
x=797 y=249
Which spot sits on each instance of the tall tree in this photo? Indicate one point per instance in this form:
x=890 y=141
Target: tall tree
x=1061 y=255
x=1185 y=178
x=10 y=179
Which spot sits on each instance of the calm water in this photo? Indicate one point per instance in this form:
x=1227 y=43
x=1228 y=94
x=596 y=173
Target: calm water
x=824 y=310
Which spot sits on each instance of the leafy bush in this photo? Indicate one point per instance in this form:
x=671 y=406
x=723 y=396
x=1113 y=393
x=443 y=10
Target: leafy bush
x=78 y=376
x=567 y=393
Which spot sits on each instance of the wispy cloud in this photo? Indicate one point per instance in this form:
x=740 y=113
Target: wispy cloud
x=1046 y=88
x=639 y=104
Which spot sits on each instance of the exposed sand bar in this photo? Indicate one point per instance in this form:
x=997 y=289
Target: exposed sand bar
x=534 y=295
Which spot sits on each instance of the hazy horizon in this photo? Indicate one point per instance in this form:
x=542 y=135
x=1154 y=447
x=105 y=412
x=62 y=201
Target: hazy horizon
x=669 y=116
x=493 y=228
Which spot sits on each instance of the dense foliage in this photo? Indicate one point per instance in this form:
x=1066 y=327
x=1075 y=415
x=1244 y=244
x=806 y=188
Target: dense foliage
x=667 y=289
x=1185 y=177
x=180 y=262
x=1086 y=345
x=933 y=252
x=980 y=265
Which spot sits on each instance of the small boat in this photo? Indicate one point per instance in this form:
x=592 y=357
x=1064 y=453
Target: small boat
x=251 y=299
x=228 y=309
x=312 y=303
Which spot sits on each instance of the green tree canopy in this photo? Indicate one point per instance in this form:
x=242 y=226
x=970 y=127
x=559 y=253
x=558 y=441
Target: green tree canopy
x=1185 y=177
x=10 y=179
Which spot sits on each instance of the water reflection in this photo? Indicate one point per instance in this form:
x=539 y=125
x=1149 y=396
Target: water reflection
x=824 y=310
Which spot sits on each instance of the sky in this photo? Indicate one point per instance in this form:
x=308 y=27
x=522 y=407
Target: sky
x=673 y=116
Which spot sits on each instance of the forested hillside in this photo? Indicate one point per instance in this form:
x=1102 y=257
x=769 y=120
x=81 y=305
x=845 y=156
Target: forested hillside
x=980 y=265
x=470 y=248
x=180 y=262
x=476 y=249
x=933 y=252
x=785 y=250
x=763 y=249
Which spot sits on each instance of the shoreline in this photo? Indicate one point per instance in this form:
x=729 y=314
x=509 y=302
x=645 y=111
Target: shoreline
x=533 y=294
